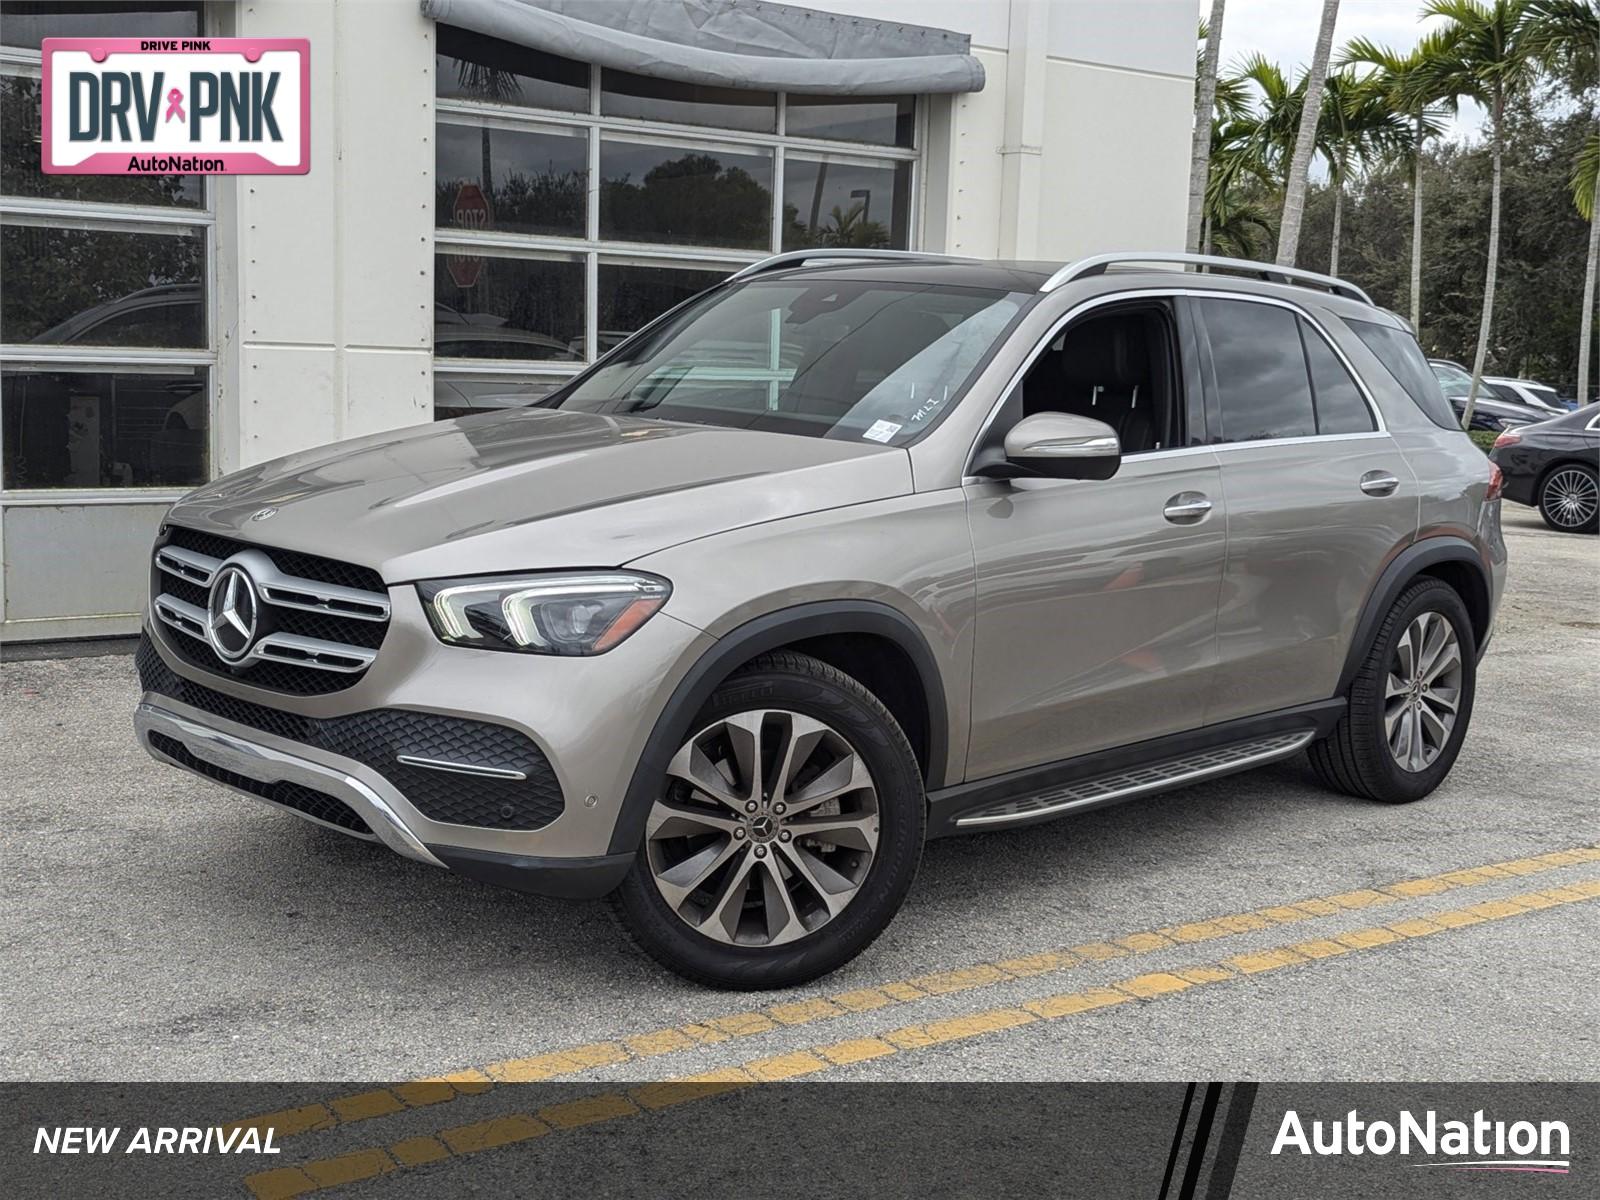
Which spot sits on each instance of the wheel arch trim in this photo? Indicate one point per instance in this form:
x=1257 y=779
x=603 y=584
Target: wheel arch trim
x=1411 y=562
x=752 y=639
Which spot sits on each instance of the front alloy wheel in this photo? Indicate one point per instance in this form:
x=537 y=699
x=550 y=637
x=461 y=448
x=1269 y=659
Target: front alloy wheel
x=786 y=833
x=767 y=830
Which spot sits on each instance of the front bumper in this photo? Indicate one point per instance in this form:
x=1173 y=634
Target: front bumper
x=285 y=774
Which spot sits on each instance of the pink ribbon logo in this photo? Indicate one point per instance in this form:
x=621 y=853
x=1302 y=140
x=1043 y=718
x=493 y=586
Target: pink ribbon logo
x=175 y=105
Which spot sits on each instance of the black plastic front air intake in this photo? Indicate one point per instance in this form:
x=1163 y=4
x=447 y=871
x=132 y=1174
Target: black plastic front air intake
x=379 y=736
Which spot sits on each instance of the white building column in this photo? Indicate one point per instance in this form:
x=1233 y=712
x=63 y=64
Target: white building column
x=1022 y=147
x=326 y=279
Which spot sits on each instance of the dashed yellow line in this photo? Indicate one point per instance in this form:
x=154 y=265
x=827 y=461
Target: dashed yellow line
x=286 y=1183
x=381 y=1102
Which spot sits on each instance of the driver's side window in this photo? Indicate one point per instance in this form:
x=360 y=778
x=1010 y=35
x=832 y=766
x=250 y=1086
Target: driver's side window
x=1117 y=365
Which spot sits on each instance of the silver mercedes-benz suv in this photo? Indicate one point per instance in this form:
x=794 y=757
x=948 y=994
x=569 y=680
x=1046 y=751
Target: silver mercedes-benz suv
x=853 y=550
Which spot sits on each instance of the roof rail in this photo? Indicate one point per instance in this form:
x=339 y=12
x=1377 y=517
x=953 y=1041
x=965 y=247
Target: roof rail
x=1097 y=264
x=791 y=258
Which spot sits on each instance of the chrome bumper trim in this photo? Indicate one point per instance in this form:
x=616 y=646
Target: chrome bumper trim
x=265 y=764
x=455 y=768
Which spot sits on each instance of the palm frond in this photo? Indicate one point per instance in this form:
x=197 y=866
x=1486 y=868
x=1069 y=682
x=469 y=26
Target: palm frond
x=1585 y=173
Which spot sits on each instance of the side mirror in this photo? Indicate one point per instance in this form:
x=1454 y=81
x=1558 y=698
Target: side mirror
x=1055 y=446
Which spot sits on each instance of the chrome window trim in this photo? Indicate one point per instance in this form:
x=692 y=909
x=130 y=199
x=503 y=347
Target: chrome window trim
x=1078 y=310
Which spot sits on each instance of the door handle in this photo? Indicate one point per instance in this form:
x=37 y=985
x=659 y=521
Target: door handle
x=1379 y=483
x=1186 y=508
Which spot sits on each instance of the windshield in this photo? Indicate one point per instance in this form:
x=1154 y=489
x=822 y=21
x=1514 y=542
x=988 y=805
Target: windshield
x=821 y=357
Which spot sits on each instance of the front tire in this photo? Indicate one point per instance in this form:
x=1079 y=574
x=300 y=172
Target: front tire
x=786 y=835
x=1409 y=704
x=1569 y=499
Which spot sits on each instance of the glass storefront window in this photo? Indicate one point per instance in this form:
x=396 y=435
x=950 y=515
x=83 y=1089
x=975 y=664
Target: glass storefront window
x=20 y=173
x=832 y=202
x=624 y=95
x=497 y=306
x=685 y=195
x=521 y=181
x=67 y=427
x=632 y=296
x=885 y=121
x=471 y=66
x=26 y=23
x=67 y=286
x=588 y=201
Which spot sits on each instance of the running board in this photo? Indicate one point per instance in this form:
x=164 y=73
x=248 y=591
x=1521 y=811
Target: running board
x=1109 y=777
x=1124 y=785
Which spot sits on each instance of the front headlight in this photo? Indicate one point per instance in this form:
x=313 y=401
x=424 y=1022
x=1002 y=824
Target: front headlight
x=571 y=613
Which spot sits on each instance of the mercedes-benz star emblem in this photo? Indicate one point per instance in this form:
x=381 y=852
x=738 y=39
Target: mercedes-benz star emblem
x=231 y=614
x=263 y=514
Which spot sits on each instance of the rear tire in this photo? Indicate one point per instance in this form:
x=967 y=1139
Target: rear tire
x=1569 y=499
x=1419 y=676
x=743 y=878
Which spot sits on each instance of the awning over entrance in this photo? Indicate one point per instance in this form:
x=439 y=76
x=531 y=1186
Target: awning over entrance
x=730 y=43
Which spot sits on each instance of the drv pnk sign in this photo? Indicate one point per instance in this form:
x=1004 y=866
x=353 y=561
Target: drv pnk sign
x=171 y=106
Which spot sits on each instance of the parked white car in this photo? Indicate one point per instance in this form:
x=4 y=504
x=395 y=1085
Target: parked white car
x=1526 y=391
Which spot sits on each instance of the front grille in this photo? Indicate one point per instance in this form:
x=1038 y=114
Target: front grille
x=378 y=737
x=321 y=642
x=291 y=795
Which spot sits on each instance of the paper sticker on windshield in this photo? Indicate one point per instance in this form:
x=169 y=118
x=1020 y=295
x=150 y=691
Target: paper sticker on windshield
x=881 y=431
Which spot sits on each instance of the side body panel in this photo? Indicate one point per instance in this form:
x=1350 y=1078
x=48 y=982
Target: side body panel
x=1096 y=615
x=1305 y=547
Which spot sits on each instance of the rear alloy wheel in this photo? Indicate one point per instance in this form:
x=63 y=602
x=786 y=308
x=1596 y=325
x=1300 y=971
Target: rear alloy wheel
x=786 y=834
x=1409 y=704
x=1569 y=499
x=1422 y=692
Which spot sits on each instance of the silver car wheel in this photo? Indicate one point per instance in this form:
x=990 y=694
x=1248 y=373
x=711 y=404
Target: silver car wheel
x=1422 y=693
x=1572 y=498
x=766 y=829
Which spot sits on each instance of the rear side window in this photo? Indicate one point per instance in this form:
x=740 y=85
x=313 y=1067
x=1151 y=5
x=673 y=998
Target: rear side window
x=1400 y=355
x=1340 y=405
x=1259 y=369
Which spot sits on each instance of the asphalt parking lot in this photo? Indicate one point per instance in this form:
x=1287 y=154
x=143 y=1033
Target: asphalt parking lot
x=159 y=928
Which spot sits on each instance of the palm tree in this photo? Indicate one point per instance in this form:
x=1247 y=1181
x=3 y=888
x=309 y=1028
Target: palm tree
x=1405 y=79
x=1294 y=196
x=1261 y=139
x=1565 y=35
x=1204 y=103
x=1360 y=127
x=1483 y=53
x=1237 y=180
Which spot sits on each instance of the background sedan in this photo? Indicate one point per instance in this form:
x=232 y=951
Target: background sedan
x=1552 y=466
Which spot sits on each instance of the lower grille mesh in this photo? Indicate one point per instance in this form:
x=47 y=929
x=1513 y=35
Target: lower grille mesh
x=379 y=736
x=290 y=795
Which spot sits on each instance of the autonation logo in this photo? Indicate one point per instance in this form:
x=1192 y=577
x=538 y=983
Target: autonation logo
x=1476 y=1145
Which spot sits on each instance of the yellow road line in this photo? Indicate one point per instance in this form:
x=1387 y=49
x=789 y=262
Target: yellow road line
x=285 y=1183
x=381 y=1102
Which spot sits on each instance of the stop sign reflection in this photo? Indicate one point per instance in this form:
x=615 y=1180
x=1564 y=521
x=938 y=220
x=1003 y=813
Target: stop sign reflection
x=470 y=211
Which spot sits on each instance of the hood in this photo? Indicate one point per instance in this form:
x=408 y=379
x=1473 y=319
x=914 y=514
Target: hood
x=535 y=488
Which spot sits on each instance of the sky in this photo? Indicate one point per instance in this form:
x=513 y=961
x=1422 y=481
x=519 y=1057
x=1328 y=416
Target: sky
x=1285 y=31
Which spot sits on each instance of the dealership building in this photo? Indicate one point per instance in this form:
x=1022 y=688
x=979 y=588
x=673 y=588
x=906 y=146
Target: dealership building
x=499 y=191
